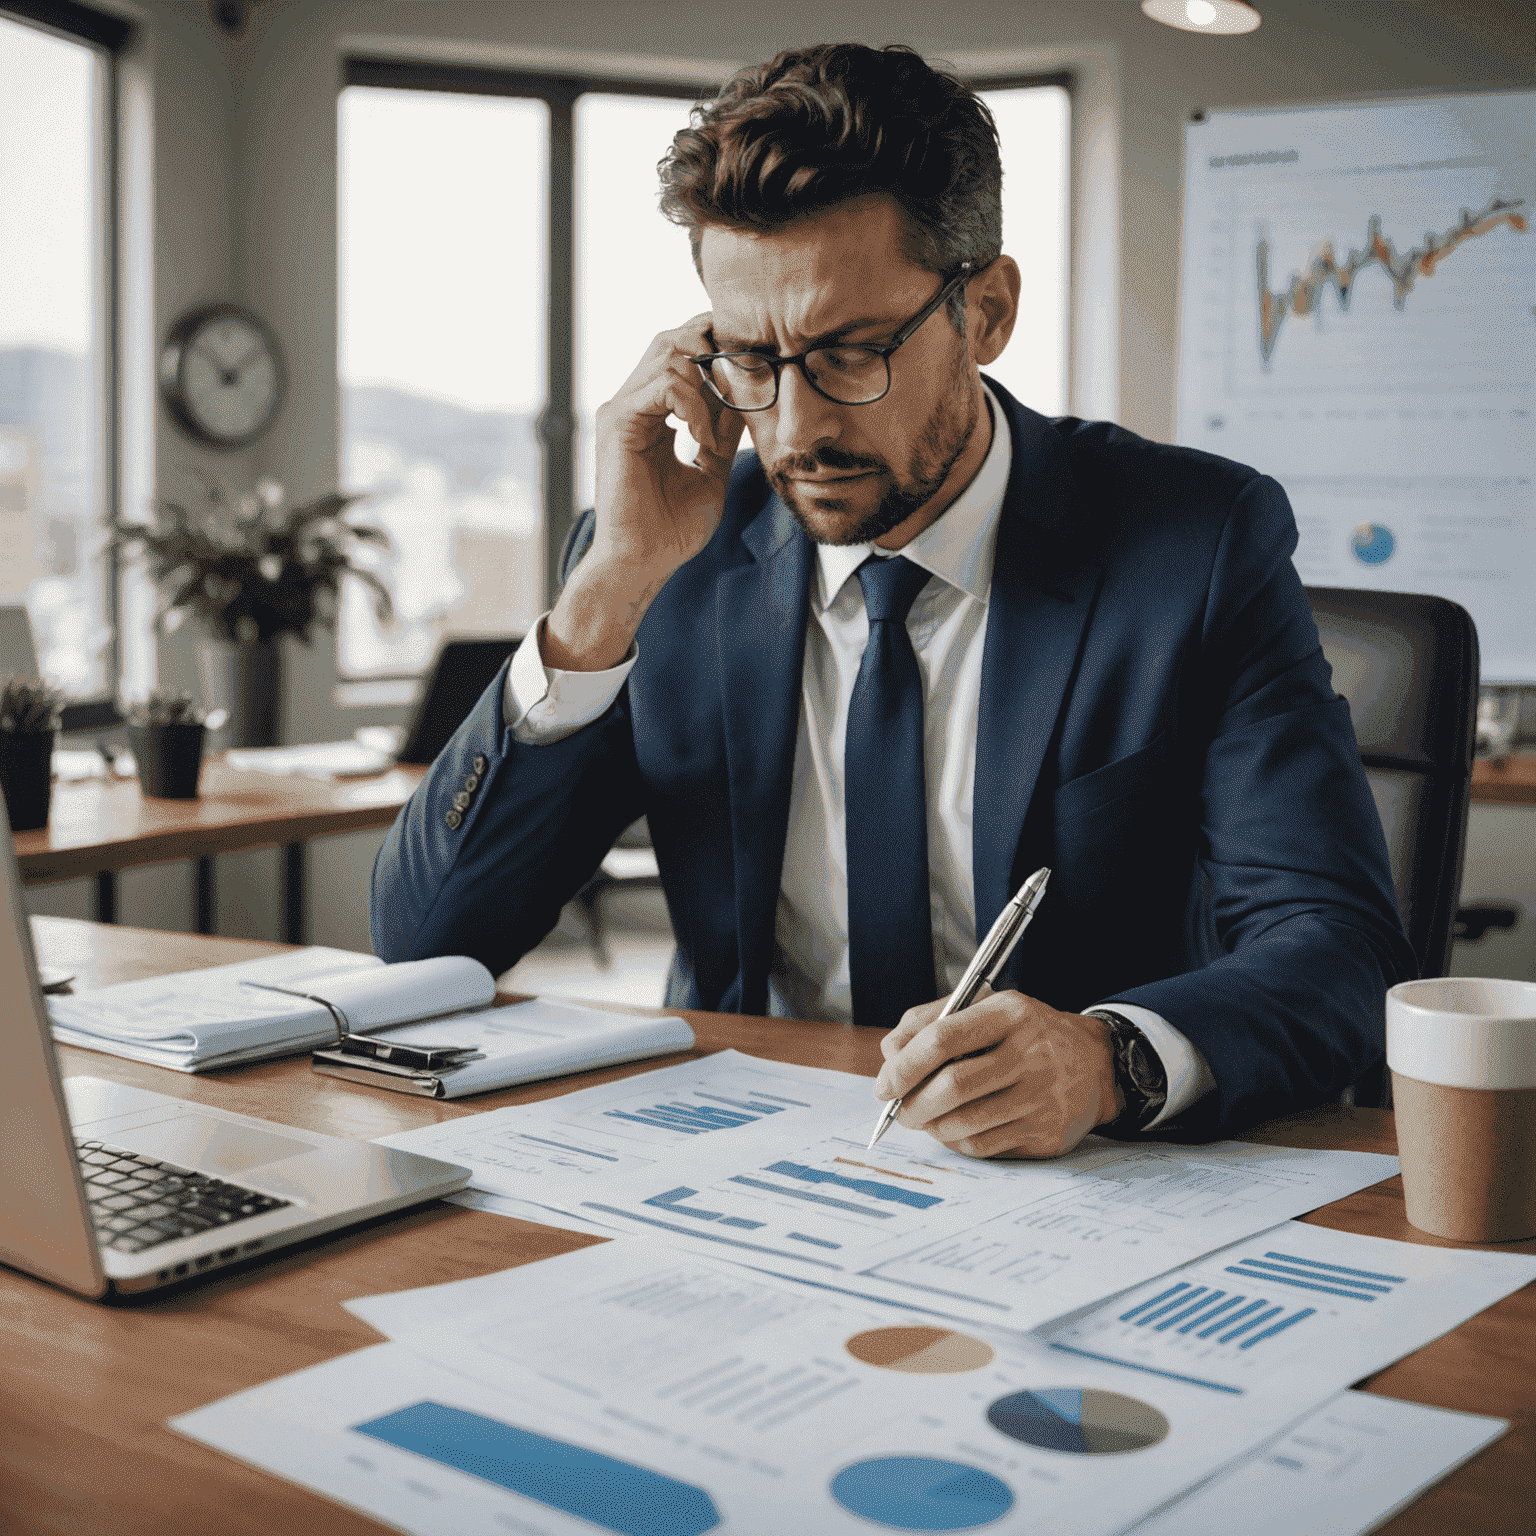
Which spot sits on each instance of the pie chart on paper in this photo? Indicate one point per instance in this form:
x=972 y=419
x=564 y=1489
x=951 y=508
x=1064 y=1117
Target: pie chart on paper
x=1083 y=1421
x=922 y=1493
x=920 y=1351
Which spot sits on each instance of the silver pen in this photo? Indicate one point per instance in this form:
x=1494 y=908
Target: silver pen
x=985 y=966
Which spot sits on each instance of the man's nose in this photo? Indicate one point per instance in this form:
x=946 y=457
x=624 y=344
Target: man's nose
x=802 y=418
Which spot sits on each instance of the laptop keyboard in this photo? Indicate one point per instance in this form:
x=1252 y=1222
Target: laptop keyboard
x=137 y=1203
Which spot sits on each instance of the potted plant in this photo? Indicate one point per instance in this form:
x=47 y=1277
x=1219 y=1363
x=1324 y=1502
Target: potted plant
x=165 y=732
x=251 y=571
x=29 y=721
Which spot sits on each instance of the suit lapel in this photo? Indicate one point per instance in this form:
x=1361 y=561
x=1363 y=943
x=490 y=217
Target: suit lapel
x=1043 y=591
x=761 y=611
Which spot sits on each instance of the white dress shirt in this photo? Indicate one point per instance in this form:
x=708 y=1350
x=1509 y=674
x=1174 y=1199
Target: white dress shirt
x=948 y=620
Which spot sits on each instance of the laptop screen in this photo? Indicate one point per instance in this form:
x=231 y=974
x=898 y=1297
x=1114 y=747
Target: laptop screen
x=44 y=1226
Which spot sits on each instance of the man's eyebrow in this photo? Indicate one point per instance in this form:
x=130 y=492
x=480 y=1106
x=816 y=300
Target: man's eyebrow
x=826 y=338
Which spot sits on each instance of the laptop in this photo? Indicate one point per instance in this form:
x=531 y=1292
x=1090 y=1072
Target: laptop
x=109 y=1188
x=461 y=671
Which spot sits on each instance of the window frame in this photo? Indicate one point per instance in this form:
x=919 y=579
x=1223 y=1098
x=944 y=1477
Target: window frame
x=557 y=422
x=109 y=36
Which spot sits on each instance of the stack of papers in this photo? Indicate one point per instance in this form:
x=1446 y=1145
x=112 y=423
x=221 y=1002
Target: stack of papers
x=226 y=1015
x=803 y=1334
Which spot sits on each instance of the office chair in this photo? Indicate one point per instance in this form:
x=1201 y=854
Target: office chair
x=630 y=864
x=1408 y=665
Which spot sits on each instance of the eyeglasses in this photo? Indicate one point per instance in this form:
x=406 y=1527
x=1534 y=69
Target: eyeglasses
x=842 y=373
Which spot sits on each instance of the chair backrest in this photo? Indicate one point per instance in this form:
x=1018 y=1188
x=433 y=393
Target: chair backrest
x=461 y=671
x=1408 y=665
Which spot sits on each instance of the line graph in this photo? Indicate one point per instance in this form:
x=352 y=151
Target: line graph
x=1304 y=292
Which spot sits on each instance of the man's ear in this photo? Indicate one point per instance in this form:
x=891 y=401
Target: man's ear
x=991 y=309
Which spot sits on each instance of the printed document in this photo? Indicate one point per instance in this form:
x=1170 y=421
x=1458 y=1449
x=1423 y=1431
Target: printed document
x=1347 y=1304
x=1342 y=1472
x=641 y=1390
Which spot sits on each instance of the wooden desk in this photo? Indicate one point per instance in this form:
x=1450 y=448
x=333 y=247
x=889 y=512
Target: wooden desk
x=99 y=827
x=85 y=1389
x=1511 y=781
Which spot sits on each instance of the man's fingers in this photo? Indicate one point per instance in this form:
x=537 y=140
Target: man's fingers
x=934 y=1043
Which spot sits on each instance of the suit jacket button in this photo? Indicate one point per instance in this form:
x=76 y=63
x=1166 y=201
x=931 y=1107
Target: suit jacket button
x=461 y=800
x=453 y=818
x=472 y=783
x=479 y=762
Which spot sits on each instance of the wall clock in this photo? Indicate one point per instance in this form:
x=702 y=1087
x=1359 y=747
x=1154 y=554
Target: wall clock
x=221 y=375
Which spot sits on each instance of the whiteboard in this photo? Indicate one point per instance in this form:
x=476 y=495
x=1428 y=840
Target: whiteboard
x=1358 y=319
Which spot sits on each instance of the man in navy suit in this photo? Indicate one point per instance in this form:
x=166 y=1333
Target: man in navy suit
x=865 y=678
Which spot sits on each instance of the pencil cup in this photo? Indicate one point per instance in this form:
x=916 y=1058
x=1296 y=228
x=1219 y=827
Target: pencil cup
x=1463 y=1056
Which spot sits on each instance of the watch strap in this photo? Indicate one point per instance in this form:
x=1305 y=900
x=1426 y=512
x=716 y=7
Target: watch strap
x=1139 y=1074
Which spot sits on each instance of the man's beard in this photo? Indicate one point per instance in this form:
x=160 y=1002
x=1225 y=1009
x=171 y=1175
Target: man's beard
x=944 y=438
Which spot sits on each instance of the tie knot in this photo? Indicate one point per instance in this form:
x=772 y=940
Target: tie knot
x=890 y=587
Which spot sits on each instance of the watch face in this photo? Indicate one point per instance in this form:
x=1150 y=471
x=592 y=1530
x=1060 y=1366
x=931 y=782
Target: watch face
x=222 y=376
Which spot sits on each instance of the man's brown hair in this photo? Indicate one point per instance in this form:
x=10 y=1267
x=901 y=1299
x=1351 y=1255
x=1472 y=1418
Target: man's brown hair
x=817 y=126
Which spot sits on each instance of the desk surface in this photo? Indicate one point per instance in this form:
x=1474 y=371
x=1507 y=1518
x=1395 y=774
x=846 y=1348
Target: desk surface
x=85 y=1389
x=103 y=824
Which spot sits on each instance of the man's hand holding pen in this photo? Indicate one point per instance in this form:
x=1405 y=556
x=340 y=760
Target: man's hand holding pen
x=1041 y=1082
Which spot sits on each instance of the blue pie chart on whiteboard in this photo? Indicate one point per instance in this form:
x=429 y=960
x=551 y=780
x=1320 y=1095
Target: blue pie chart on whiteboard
x=1372 y=543
x=922 y=1493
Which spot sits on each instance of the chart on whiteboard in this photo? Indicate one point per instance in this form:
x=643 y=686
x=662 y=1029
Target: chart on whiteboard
x=1358 y=319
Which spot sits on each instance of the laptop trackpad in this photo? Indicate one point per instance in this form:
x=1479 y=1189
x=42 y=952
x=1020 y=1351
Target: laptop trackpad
x=209 y=1145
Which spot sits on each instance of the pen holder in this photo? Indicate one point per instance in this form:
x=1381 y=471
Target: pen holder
x=169 y=758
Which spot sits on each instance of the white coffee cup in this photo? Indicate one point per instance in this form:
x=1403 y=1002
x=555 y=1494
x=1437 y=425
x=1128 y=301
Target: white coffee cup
x=1462 y=1051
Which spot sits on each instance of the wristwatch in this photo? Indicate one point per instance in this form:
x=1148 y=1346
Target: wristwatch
x=1139 y=1073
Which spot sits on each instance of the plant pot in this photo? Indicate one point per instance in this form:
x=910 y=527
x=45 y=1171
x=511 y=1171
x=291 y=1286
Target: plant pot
x=169 y=759
x=244 y=679
x=26 y=773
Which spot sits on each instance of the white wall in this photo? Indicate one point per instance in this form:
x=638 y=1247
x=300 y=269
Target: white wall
x=241 y=204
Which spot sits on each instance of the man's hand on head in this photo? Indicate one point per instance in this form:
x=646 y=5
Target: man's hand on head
x=1045 y=1080
x=654 y=512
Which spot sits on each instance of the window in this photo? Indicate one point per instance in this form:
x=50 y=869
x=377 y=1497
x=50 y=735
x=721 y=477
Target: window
x=443 y=240
x=1034 y=126
x=503 y=265
x=56 y=352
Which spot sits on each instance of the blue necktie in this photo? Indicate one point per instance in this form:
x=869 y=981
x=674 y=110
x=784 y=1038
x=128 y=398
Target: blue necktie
x=890 y=929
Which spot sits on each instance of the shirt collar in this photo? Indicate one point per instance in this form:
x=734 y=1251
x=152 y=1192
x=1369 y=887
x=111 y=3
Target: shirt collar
x=957 y=546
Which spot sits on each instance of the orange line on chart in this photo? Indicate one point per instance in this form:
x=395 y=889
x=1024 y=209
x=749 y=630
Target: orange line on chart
x=853 y=1162
x=1304 y=291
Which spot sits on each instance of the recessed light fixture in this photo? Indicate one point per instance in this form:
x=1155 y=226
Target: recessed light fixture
x=1225 y=17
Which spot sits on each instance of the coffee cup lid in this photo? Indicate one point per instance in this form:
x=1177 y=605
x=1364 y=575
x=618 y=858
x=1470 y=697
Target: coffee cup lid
x=1463 y=1031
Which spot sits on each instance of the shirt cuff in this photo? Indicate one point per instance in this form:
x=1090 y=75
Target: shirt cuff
x=1189 y=1078
x=545 y=705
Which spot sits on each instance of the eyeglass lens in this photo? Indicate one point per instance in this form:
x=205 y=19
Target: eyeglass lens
x=848 y=375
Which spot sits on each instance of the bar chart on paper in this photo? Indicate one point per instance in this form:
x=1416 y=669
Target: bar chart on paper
x=549 y=1152
x=818 y=1207
x=1237 y=1316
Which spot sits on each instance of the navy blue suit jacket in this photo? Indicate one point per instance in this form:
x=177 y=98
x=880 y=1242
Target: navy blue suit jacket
x=1157 y=724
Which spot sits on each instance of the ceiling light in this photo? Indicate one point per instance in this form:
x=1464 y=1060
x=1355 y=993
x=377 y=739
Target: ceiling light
x=1224 y=17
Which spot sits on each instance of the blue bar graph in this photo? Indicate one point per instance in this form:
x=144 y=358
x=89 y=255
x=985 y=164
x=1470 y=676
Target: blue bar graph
x=871 y=1187
x=1205 y=1317
x=1189 y=1311
x=1253 y=1322
x=1204 y=1311
x=614 y=1495
x=1279 y=1327
x=1267 y=1274
x=696 y=1119
x=1172 y=1290
x=671 y=1202
x=805 y=1194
